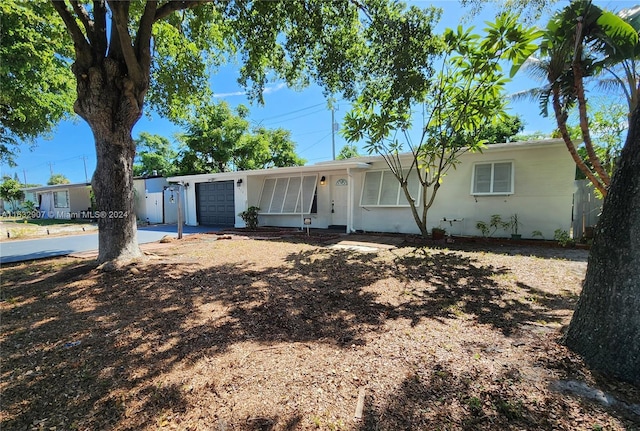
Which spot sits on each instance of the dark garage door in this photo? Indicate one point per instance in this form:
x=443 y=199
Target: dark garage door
x=215 y=203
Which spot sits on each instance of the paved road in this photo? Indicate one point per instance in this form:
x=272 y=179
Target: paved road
x=21 y=250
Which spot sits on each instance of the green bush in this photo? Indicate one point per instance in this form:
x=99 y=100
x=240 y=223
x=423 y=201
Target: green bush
x=563 y=238
x=250 y=217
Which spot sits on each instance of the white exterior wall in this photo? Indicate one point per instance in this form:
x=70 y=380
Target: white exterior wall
x=79 y=199
x=542 y=194
x=240 y=196
x=542 y=198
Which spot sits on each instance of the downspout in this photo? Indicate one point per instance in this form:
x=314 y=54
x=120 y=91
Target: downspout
x=301 y=194
x=350 y=202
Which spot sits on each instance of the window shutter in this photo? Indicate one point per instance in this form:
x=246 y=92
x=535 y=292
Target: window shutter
x=371 y=188
x=267 y=194
x=390 y=189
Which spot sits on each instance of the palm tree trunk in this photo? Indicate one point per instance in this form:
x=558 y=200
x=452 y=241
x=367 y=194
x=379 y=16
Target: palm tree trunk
x=561 y=119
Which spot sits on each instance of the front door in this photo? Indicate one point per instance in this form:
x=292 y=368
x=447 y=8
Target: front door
x=339 y=199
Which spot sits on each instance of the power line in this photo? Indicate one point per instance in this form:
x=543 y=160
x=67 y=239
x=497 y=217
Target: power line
x=308 y=133
x=292 y=112
x=317 y=142
x=295 y=118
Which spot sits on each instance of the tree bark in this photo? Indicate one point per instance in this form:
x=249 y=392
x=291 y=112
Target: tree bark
x=110 y=103
x=605 y=328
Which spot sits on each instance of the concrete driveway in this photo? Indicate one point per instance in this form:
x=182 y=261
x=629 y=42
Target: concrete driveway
x=21 y=250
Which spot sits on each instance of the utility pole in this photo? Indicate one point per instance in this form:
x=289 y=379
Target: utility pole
x=51 y=168
x=24 y=174
x=84 y=160
x=334 y=127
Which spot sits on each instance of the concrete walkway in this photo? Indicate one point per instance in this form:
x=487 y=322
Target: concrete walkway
x=366 y=243
x=22 y=250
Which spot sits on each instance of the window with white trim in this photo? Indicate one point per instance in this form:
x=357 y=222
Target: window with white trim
x=288 y=195
x=61 y=199
x=382 y=188
x=494 y=178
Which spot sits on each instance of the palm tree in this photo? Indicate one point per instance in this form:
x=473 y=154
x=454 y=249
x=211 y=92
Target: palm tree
x=583 y=41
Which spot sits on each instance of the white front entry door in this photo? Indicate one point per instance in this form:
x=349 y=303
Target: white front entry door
x=339 y=199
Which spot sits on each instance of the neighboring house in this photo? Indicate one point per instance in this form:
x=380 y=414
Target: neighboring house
x=61 y=201
x=533 y=179
x=155 y=200
x=8 y=207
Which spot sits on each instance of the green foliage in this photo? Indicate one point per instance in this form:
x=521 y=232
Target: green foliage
x=501 y=129
x=11 y=191
x=154 y=154
x=608 y=124
x=219 y=139
x=58 y=179
x=488 y=229
x=536 y=233
x=349 y=151
x=563 y=238
x=36 y=84
x=602 y=42
x=250 y=217
x=28 y=206
x=483 y=227
x=263 y=148
x=458 y=100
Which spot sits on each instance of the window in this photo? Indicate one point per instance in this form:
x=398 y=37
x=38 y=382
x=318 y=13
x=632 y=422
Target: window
x=382 y=188
x=61 y=199
x=492 y=179
x=288 y=195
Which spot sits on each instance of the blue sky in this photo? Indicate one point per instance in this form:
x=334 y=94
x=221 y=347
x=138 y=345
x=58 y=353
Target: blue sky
x=304 y=113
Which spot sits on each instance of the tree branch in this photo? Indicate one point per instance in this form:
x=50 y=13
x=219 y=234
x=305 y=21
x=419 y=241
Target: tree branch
x=171 y=6
x=82 y=47
x=84 y=17
x=120 y=11
x=143 y=38
x=100 y=20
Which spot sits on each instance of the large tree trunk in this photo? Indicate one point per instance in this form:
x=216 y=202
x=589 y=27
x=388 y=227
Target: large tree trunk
x=107 y=101
x=605 y=328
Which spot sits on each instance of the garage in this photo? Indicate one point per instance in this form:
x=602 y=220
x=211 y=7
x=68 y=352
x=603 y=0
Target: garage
x=215 y=204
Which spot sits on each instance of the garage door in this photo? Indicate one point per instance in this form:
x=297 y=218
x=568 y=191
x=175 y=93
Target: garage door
x=215 y=203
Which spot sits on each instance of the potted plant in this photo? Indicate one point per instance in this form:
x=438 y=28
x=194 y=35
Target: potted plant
x=514 y=224
x=438 y=233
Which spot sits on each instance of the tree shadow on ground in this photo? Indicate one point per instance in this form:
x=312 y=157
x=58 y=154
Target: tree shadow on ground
x=439 y=397
x=79 y=345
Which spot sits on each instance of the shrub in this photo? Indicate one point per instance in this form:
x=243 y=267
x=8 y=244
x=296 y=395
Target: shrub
x=250 y=217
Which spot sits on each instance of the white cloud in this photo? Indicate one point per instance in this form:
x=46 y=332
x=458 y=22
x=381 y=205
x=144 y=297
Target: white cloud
x=235 y=93
x=267 y=90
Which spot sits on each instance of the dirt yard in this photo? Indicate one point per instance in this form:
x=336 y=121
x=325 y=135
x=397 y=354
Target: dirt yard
x=279 y=334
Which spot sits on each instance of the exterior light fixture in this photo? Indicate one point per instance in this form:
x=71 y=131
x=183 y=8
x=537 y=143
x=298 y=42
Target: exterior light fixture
x=323 y=180
x=239 y=182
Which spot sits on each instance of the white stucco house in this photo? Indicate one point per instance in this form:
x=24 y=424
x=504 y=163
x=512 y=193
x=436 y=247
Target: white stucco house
x=61 y=201
x=155 y=200
x=532 y=179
